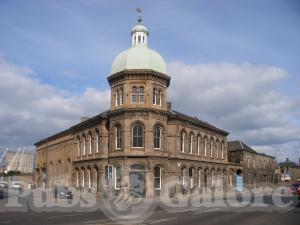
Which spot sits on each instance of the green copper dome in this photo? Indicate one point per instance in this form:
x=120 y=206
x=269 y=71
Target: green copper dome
x=139 y=56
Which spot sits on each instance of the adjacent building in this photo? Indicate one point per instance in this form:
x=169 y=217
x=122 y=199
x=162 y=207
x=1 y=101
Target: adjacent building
x=140 y=144
x=290 y=170
x=258 y=168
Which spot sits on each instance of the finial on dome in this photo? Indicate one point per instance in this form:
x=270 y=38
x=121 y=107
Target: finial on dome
x=139 y=11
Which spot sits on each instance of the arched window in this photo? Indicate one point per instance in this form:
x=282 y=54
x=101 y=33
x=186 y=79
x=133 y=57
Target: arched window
x=117 y=98
x=154 y=96
x=157 y=178
x=199 y=178
x=198 y=145
x=89 y=178
x=58 y=169
x=117 y=177
x=137 y=135
x=84 y=145
x=182 y=137
x=97 y=140
x=191 y=139
x=211 y=147
x=222 y=150
x=141 y=95
x=78 y=146
x=118 y=137
x=182 y=176
x=77 y=178
x=120 y=96
x=134 y=94
x=157 y=137
x=191 y=180
x=205 y=146
x=83 y=179
x=90 y=144
x=217 y=149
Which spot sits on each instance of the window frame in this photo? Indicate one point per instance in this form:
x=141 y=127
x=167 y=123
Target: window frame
x=159 y=178
x=118 y=137
x=116 y=182
x=139 y=136
x=157 y=138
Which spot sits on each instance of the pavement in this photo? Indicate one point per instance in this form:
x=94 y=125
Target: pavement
x=259 y=208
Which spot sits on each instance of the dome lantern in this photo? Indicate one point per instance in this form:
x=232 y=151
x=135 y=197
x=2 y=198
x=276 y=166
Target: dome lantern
x=139 y=34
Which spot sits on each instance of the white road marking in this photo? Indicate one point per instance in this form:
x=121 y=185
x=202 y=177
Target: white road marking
x=96 y=221
x=179 y=211
x=161 y=220
x=206 y=211
x=60 y=216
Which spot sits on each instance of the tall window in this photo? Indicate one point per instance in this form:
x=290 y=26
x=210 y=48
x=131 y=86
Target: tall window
x=117 y=177
x=198 y=145
x=90 y=144
x=191 y=180
x=137 y=135
x=83 y=180
x=97 y=141
x=78 y=146
x=156 y=97
x=84 y=145
x=157 y=136
x=118 y=137
x=199 y=179
x=134 y=94
x=182 y=176
x=157 y=178
x=211 y=148
x=191 y=143
x=182 y=137
x=89 y=178
x=205 y=146
x=217 y=149
x=222 y=151
x=142 y=95
x=119 y=97
x=77 y=178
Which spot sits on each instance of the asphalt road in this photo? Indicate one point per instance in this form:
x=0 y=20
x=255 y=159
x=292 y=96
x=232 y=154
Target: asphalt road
x=239 y=211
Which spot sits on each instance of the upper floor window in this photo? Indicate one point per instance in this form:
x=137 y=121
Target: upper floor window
x=97 y=140
x=137 y=135
x=117 y=177
x=182 y=137
x=156 y=97
x=198 y=145
x=211 y=148
x=217 y=149
x=222 y=150
x=205 y=146
x=119 y=97
x=157 y=137
x=84 y=146
x=191 y=139
x=137 y=94
x=90 y=144
x=78 y=146
x=118 y=137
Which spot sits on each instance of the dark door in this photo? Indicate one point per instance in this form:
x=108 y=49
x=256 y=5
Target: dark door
x=137 y=186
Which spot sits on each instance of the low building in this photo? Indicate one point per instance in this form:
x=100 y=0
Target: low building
x=258 y=168
x=18 y=161
x=290 y=170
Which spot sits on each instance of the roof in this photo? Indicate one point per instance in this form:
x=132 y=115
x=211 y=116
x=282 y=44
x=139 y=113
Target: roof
x=197 y=121
x=239 y=145
x=288 y=164
x=72 y=129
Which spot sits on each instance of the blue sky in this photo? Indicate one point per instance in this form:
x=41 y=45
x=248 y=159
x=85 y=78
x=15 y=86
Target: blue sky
x=70 y=45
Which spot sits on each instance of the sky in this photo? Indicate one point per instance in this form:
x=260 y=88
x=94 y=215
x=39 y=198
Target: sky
x=232 y=63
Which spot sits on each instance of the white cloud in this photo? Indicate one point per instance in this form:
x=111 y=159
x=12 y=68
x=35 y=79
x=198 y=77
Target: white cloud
x=238 y=98
x=31 y=110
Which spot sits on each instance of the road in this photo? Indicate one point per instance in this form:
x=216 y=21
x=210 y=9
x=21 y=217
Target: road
x=160 y=214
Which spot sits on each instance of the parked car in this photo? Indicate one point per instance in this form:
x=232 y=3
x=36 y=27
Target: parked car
x=62 y=192
x=16 y=186
x=3 y=184
x=294 y=188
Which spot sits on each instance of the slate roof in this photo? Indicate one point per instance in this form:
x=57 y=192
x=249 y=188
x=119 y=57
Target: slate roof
x=287 y=164
x=239 y=145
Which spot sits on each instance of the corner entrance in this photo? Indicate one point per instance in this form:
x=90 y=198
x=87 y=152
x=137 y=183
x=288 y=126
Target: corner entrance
x=137 y=181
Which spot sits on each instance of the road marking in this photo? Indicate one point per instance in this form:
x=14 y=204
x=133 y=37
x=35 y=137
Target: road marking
x=96 y=221
x=53 y=217
x=161 y=220
x=179 y=211
x=206 y=211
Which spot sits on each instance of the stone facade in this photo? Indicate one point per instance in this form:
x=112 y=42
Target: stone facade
x=258 y=168
x=18 y=161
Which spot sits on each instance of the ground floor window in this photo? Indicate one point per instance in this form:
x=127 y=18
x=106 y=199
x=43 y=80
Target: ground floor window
x=117 y=177
x=157 y=178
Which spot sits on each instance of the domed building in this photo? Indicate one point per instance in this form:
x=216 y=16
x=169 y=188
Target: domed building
x=140 y=144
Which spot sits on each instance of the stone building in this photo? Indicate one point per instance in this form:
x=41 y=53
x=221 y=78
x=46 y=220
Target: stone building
x=290 y=169
x=140 y=144
x=258 y=168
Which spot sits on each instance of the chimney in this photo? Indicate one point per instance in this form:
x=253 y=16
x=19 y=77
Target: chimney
x=84 y=118
x=169 y=106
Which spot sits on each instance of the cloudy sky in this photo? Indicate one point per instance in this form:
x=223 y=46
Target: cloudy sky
x=233 y=63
